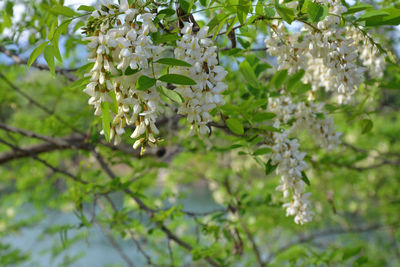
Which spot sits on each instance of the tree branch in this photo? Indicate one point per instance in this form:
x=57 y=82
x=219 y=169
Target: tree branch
x=34 y=156
x=159 y=152
x=71 y=141
x=55 y=141
x=18 y=60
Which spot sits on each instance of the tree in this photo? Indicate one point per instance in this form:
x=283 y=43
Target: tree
x=257 y=104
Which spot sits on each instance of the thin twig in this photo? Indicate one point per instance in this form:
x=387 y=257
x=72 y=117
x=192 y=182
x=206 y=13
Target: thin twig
x=37 y=104
x=139 y=247
x=115 y=245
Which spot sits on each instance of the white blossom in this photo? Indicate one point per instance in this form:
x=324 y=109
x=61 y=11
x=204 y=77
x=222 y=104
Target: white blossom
x=328 y=52
x=286 y=154
x=122 y=51
x=291 y=164
x=199 y=51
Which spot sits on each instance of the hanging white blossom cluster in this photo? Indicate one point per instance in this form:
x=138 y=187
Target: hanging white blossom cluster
x=200 y=99
x=325 y=52
x=123 y=52
x=370 y=56
x=114 y=49
x=290 y=163
x=286 y=154
x=306 y=115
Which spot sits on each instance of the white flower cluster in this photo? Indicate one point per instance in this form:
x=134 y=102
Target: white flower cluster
x=200 y=99
x=325 y=52
x=114 y=49
x=370 y=56
x=123 y=52
x=286 y=155
x=290 y=167
x=306 y=116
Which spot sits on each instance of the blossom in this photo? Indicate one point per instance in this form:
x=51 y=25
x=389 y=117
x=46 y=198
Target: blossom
x=286 y=154
x=290 y=165
x=306 y=116
x=199 y=51
x=327 y=52
x=118 y=46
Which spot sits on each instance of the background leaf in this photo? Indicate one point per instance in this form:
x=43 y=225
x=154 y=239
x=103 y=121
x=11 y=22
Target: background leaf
x=173 y=62
x=235 y=126
x=49 y=57
x=145 y=83
x=176 y=79
x=35 y=53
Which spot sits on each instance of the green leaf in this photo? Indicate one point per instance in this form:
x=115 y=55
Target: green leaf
x=9 y=8
x=6 y=19
x=216 y=21
x=56 y=36
x=86 y=8
x=287 y=14
x=361 y=261
x=114 y=105
x=294 y=80
x=165 y=38
x=269 y=12
x=366 y=126
x=373 y=14
x=242 y=10
x=52 y=28
x=229 y=109
x=269 y=128
x=263 y=116
x=350 y=252
x=184 y=5
x=279 y=79
x=145 y=83
x=49 y=57
x=248 y=73
x=35 y=53
x=358 y=8
x=130 y=71
x=204 y=3
x=173 y=62
x=235 y=126
x=244 y=43
x=241 y=15
x=79 y=84
x=62 y=10
x=317 y=12
x=262 y=151
x=177 y=79
x=259 y=8
x=302 y=88
x=305 y=178
x=168 y=12
x=78 y=25
x=219 y=27
x=392 y=19
x=269 y=168
x=261 y=67
x=106 y=119
x=171 y=94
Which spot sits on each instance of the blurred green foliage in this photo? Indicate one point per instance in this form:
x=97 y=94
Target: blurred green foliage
x=212 y=193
